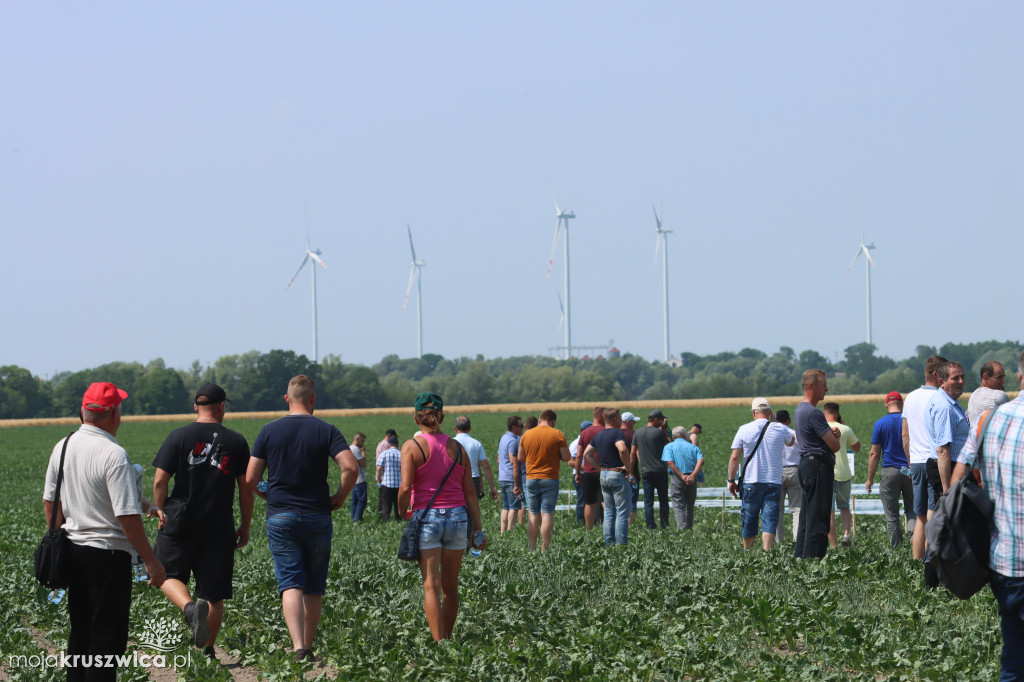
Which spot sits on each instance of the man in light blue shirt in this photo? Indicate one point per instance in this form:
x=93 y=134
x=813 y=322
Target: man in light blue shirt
x=946 y=421
x=685 y=461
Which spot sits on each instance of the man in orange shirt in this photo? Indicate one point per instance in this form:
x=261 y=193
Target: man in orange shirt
x=542 y=449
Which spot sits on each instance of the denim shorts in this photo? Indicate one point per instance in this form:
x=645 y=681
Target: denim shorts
x=301 y=546
x=924 y=495
x=445 y=528
x=841 y=492
x=508 y=498
x=542 y=495
x=760 y=499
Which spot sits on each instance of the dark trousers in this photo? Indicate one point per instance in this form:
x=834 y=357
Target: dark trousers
x=358 y=501
x=99 y=598
x=389 y=503
x=817 y=478
x=1009 y=594
x=656 y=481
x=580 y=502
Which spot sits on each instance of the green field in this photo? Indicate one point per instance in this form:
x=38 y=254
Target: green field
x=669 y=605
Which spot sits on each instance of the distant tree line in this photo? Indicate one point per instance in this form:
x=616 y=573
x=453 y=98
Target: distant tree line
x=256 y=381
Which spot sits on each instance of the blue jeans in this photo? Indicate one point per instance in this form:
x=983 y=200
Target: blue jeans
x=508 y=498
x=358 y=501
x=542 y=495
x=617 y=495
x=760 y=499
x=1009 y=594
x=581 y=502
x=301 y=546
x=446 y=528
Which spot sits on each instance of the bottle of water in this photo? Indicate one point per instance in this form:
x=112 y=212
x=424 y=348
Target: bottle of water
x=905 y=471
x=263 y=486
x=139 y=570
x=478 y=539
x=55 y=596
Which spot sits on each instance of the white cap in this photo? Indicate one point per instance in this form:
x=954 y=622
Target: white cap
x=760 y=404
x=629 y=417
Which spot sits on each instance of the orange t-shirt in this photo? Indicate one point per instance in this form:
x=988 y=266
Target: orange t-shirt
x=542 y=445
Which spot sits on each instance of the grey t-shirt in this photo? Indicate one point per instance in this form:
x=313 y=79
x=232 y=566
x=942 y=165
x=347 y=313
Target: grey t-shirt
x=650 y=441
x=982 y=399
x=99 y=486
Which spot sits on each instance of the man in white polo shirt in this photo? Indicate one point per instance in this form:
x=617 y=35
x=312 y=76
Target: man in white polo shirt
x=924 y=467
x=477 y=456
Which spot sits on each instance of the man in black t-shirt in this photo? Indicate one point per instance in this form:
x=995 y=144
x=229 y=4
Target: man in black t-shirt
x=207 y=462
x=647 y=447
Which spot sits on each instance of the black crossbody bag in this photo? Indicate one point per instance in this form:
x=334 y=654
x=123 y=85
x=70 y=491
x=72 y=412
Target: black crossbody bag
x=53 y=558
x=409 y=545
x=752 y=453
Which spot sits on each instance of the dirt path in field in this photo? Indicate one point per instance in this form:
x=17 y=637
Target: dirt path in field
x=238 y=671
x=634 y=405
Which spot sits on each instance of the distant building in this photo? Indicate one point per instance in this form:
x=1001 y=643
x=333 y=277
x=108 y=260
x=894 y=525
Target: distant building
x=613 y=352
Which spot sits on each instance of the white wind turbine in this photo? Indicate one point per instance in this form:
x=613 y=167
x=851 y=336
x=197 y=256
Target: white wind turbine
x=563 y=215
x=868 y=264
x=315 y=255
x=662 y=236
x=415 y=274
x=561 y=320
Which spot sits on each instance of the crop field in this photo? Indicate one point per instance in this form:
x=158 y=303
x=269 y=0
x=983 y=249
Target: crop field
x=669 y=605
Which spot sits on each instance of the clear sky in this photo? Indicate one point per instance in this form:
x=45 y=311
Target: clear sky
x=161 y=163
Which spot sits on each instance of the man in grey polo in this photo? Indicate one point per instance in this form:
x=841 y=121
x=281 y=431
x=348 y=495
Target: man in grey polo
x=990 y=394
x=647 y=448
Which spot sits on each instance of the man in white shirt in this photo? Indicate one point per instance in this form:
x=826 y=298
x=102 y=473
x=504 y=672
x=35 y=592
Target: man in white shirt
x=990 y=394
x=790 y=480
x=477 y=456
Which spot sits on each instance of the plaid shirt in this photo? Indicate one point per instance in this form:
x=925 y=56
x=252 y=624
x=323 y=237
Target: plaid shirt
x=1002 y=470
x=390 y=461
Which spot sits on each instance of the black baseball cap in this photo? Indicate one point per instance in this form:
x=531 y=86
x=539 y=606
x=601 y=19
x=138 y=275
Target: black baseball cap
x=655 y=414
x=213 y=393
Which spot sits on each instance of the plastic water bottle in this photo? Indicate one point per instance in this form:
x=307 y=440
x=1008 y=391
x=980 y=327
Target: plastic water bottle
x=139 y=570
x=263 y=486
x=478 y=539
x=905 y=471
x=55 y=596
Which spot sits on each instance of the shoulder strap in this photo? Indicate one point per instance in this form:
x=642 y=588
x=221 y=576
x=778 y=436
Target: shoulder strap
x=756 y=446
x=60 y=481
x=444 y=480
x=421 y=450
x=986 y=420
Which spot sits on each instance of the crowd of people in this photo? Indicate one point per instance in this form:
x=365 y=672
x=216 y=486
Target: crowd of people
x=919 y=447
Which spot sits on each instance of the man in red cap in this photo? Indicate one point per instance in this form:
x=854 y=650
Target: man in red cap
x=887 y=446
x=104 y=525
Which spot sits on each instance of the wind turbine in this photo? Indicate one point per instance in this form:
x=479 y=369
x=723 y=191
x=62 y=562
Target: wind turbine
x=415 y=274
x=563 y=215
x=662 y=236
x=868 y=264
x=315 y=255
x=561 y=320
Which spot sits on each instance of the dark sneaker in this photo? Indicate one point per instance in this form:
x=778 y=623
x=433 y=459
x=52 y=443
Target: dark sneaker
x=847 y=541
x=300 y=655
x=210 y=653
x=195 y=617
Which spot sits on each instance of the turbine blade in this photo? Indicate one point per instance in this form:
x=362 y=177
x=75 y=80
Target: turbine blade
x=412 y=275
x=856 y=256
x=411 y=247
x=554 y=246
x=315 y=255
x=561 y=320
x=558 y=211
x=297 y=271
x=657 y=247
x=867 y=254
x=657 y=220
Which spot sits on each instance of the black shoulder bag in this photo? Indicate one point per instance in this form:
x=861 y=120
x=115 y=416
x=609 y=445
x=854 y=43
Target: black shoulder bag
x=53 y=553
x=752 y=453
x=176 y=508
x=409 y=545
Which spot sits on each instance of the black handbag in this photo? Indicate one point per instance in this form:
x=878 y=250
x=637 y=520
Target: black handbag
x=53 y=555
x=409 y=545
x=752 y=453
x=176 y=508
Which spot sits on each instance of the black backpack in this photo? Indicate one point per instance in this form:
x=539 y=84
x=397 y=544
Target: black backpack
x=959 y=535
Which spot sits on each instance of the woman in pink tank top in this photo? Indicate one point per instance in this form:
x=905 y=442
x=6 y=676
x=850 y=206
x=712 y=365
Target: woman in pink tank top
x=454 y=509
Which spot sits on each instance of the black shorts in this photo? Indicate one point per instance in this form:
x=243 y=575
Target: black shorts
x=934 y=480
x=479 y=486
x=592 y=487
x=210 y=559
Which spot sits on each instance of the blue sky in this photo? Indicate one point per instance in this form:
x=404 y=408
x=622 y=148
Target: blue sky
x=160 y=165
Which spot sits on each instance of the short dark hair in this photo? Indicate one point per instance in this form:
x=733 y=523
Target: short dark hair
x=831 y=408
x=462 y=424
x=945 y=369
x=531 y=421
x=933 y=364
x=513 y=421
x=391 y=432
x=549 y=415
x=598 y=413
x=782 y=416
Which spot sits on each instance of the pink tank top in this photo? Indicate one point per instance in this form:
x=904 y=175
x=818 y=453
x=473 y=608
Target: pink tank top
x=429 y=475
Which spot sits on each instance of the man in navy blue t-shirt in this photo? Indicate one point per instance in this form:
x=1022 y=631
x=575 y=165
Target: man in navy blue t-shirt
x=817 y=442
x=609 y=451
x=296 y=450
x=887 y=446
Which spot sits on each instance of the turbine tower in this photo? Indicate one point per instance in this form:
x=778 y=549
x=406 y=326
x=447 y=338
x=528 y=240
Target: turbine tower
x=662 y=236
x=415 y=274
x=868 y=264
x=563 y=215
x=315 y=255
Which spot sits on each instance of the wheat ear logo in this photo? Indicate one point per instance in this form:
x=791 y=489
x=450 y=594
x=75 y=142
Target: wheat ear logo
x=161 y=634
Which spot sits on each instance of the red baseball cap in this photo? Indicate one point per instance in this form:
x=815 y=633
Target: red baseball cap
x=893 y=395
x=102 y=397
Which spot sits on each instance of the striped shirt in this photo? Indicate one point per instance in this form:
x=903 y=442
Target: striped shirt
x=1002 y=471
x=390 y=462
x=766 y=464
